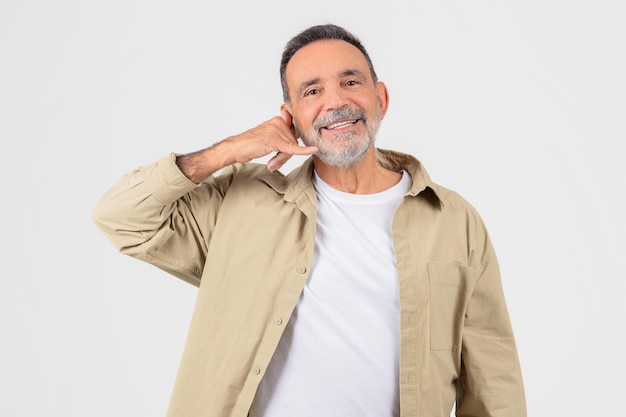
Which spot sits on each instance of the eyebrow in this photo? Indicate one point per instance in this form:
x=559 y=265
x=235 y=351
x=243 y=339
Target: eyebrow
x=345 y=73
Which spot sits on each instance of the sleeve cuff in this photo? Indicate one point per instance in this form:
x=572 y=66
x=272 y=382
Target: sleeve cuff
x=167 y=182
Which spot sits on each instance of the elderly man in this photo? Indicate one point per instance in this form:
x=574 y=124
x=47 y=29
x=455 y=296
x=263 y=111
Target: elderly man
x=353 y=286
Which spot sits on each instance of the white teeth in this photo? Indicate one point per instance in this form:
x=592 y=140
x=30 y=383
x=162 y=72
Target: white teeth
x=340 y=124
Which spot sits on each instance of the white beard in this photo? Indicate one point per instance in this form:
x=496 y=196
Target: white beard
x=343 y=149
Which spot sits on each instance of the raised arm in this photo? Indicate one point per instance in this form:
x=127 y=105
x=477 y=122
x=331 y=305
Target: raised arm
x=275 y=135
x=159 y=214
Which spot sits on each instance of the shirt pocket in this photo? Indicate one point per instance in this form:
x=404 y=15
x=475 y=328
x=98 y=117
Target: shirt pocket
x=450 y=285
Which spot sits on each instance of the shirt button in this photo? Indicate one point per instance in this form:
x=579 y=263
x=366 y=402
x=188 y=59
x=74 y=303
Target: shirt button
x=256 y=371
x=278 y=321
x=301 y=270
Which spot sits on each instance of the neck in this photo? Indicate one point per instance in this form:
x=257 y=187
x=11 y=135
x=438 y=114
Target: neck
x=365 y=177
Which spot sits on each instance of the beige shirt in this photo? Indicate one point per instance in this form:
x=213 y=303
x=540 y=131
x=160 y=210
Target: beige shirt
x=246 y=238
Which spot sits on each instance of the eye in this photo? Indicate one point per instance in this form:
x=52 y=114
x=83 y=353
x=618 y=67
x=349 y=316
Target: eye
x=311 y=92
x=352 y=83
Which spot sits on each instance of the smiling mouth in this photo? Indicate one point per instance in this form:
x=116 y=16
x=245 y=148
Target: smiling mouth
x=341 y=124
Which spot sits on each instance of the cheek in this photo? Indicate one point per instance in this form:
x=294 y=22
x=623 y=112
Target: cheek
x=305 y=115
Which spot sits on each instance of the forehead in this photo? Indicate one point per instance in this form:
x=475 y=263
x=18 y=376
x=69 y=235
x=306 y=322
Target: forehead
x=324 y=58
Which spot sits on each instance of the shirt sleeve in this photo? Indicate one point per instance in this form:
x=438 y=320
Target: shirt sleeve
x=490 y=384
x=158 y=215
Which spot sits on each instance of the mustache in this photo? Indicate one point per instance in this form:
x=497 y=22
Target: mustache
x=337 y=115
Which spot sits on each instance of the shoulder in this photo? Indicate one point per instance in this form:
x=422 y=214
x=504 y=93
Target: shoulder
x=254 y=177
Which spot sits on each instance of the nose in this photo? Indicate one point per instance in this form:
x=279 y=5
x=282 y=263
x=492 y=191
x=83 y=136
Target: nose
x=335 y=98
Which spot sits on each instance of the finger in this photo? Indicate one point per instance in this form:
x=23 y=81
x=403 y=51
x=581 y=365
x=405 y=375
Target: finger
x=293 y=149
x=278 y=161
x=286 y=152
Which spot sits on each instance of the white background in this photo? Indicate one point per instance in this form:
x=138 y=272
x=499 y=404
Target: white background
x=518 y=105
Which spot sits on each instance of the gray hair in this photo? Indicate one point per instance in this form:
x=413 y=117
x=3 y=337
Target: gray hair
x=317 y=33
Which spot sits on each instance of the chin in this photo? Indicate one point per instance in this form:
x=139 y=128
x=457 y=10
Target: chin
x=344 y=159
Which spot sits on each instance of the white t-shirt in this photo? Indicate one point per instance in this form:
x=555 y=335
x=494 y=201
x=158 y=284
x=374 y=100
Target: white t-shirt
x=339 y=353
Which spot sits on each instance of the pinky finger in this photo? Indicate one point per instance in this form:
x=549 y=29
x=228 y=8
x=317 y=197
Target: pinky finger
x=278 y=161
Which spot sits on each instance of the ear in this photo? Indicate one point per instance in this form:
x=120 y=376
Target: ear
x=285 y=112
x=383 y=97
x=287 y=115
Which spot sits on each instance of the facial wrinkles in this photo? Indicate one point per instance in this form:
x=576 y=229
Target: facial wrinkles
x=343 y=149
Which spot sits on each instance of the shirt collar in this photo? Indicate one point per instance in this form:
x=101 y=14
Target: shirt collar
x=299 y=180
